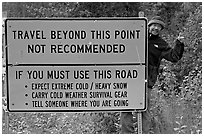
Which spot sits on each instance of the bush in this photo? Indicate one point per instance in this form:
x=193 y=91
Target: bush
x=180 y=85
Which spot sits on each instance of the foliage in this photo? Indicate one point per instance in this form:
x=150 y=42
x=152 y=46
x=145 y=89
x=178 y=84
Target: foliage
x=176 y=97
x=107 y=123
x=180 y=85
x=108 y=9
x=71 y=9
x=51 y=123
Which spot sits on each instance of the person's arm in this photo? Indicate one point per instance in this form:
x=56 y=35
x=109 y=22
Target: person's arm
x=174 y=54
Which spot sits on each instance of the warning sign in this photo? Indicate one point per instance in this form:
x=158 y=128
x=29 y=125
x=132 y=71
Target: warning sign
x=76 y=64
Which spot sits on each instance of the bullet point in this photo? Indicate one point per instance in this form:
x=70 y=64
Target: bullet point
x=26 y=95
x=26 y=86
x=26 y=103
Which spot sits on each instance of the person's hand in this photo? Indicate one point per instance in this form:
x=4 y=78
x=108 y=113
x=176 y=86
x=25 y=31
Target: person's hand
x=180 y=37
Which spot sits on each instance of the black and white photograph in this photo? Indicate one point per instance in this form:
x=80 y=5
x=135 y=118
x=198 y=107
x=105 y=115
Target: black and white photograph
x=101 y=67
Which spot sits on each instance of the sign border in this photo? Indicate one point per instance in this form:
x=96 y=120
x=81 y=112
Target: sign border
x=120 y=64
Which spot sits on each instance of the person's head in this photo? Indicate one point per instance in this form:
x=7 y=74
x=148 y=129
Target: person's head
x=156 y=24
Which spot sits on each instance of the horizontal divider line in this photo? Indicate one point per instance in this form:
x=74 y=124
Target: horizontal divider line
x=78 y=19
x=114 y=64
x=63 y=110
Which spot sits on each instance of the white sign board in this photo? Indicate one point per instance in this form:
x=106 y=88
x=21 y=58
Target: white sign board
x=76 y=64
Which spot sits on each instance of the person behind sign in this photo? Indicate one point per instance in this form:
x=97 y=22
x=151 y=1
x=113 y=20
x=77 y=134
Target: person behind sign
x=158 y=49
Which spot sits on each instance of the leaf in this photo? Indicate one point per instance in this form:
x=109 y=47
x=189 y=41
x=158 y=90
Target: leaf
x=176 y=129
x=177 y=122
x=182 y=127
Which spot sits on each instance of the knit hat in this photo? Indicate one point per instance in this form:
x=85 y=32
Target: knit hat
x=157 y=20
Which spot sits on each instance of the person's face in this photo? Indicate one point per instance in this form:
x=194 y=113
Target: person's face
x=155 y=29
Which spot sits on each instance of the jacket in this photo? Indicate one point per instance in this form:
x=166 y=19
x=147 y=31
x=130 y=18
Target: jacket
x=158 y=49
